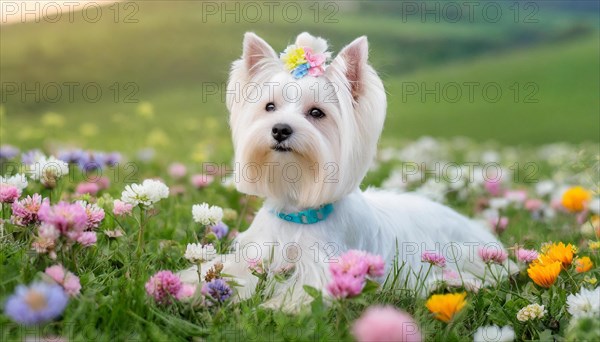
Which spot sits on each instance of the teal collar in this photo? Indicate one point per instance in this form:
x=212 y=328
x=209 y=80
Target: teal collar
x=308 y=216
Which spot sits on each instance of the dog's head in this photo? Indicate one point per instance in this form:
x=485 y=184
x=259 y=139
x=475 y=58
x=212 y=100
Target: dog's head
x=307 y=141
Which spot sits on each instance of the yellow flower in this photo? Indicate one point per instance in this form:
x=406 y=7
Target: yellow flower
x=558 y=252
x=583 y=264
x=544 y=275
x=576 y=198
x=594 y=245
x=445 y=306
x=293 y=56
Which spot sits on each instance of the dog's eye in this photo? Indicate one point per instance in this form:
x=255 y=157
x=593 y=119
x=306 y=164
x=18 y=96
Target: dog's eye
x=270 y=107
x=316 y=113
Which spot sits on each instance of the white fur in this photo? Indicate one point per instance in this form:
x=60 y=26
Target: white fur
x=341 y=146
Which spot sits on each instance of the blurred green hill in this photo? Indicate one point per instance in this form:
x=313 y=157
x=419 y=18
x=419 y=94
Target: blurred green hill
x=166 y=60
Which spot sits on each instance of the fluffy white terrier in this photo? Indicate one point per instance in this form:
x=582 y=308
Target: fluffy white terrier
x=305 y=143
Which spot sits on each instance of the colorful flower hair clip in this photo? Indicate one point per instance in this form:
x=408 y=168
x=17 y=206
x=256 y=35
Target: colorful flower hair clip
x=307 y=57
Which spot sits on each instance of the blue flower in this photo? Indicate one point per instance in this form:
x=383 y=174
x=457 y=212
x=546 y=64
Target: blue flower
x=220 y=229
x=217 y=289
x=38 y=303
x=301 y=70
x=8 y=152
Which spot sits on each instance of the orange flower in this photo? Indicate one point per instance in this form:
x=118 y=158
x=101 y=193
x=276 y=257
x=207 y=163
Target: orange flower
x=576 y=198
x=445 y=306
x=583 y=264
x=544 y=274
x=558 y=252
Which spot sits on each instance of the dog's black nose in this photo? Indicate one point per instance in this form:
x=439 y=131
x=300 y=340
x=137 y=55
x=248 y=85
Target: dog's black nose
x=280 y=132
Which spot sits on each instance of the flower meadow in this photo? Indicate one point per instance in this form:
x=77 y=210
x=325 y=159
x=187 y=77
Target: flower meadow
x=91 y=251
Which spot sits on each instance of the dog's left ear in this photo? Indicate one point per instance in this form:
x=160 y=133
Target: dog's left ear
x=255 y=51
x=352 y=61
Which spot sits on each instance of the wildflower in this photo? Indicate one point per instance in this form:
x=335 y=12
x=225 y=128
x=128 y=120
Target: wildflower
x=516 y=196
x=201 y=181
x=187 y=291
x=494 y=254
x=145 y=194
x=494 y=333
x=8 y=152
x=594 y=245
x=590 y=280
x=114 y=233
x=64 y=278
x=87 y=239
x=162 y=286
x=25 y=211
x=46 y=239
x=534 y=204
x=559 y=252
x=37 y=303
x=256 y=266
x=206 y=215
x=121 y=208
x=576 y=198
x=18 y=180
x=345 y=286
x=220 y=229
x=94 y=213
x=445 y=306
x=586 y=303
x=196 y=252
x=87 y=188
x=177 y=170
x=48 y=170
x=531 y=312
x=494 y=187
x=526 y=255
x=217 y=289
x=544 y=274
x=385 y=323
x=433 y=258
x=9 y=193
x=68 y=219
x=583 y=264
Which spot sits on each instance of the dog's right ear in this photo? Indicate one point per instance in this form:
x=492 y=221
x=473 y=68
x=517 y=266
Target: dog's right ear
x=256 y=50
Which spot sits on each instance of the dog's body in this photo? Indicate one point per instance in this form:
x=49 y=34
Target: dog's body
x=331 y=132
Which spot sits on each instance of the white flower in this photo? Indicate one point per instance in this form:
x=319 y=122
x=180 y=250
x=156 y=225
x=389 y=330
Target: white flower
x=494 y=333
x=545 y=187
x=586 y=303
x=196 y=252
x=206 y=215
x=595 y=205
x=19 y=181
x=48 y=170
x=145 y=194
x=530 y=312
x=498 y=203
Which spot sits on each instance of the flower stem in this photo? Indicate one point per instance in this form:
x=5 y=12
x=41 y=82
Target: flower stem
x=140 y=245
x=199 y=272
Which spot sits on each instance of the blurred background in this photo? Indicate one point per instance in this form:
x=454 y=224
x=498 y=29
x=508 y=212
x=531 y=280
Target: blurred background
x=149 y=75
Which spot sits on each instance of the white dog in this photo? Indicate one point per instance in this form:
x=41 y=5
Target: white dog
x=304 y=143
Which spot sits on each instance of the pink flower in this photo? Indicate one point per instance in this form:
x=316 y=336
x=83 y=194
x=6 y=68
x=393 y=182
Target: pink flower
x=345 y=286
x=66 y=279
x=494 y=188
x=87 y=188
x=499 y=223
x=177 y=190
x=433 y=258
x=70 y=219
x=201 y=180
x=103 y=183
x=121 y=208
x=177 y=170
x=255 y=265
x=87 y=238
x=94 y=213
x=316 y=62
x=25 y=211
x=526 y=255
x=534 y=204
x=186 y=291
x=385 y=323
x=492 y=254
x=9 y=193
x=162 y=286
x=46 y=239
x=376 y=265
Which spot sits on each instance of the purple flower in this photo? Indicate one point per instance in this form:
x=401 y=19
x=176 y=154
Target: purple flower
x=217 y=289
x=220 y=229
x=31 y=156
x=8 y=152
x=433 y=258
x=113 y=158
x=70 y=219
x=92 y=161
x=25 y=211
x=72 y=156
x=94 y=213
x=163 y=285
x=38 y=303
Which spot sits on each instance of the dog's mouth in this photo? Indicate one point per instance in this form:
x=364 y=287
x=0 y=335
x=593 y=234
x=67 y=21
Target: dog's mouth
x=281 y=148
